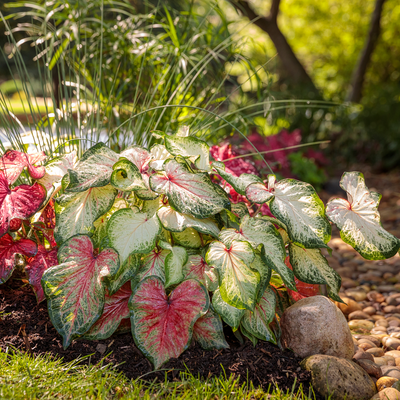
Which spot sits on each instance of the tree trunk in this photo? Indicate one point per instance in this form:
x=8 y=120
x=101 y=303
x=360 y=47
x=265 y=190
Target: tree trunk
x=294 y=69
x=357 y=81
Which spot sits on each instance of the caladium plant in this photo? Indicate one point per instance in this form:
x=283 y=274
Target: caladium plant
x=155 y=237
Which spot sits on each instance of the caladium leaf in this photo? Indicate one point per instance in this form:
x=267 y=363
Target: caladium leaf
x=125 y=273
x=115 y=310
x=258 y=232
x=310 y=266
x=174 y=263
x=195 y=149
x=153 y=265
x=94 y=169
x=9 y=249
x=43 y=260
x=175 y=221
x=75 y=289
x=159 y=154
x=264 y=270
x=146 y=194
x=189 y=193
x=238 y=283
x=208 y=331
x=76 y=212
x=126 y=176
x=231 y=315
x=56 y=169
x=257 y=322
x=13 y=162
x=298 y=206
x=249 y=336
x=359 y=221
x=189 y=238
x=131 y=232
x=162 y=325
x=239 y=183
x=21 y=202
x=197 y=268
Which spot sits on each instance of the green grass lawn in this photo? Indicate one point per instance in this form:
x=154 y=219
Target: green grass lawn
x=26 y=377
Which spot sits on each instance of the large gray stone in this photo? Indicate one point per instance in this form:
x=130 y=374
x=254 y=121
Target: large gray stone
x=339 y=378
x=314 y=325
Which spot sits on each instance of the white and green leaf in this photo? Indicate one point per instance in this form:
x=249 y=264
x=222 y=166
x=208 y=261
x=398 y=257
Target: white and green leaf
x=125 y=273
x=126 y=176
x=257 y=322
x=231 y=315
x=131 y=232
x=189 y=193
x=189 y=238
x=94 y=169
x=358 y=219
x=310 y=266
x=175 y=221
x=197 y=268
x=238 y=282
x=174 y=263
x=76 y=212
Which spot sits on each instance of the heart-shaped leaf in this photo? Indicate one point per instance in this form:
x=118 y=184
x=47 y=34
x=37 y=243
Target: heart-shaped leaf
x=238 y=283
x=195 y=149
x=153 y=265
x=131 y=232
x=260 y=232
x=239 y=183
x=189 y=238
x=9 y=249
x=43 y=260
x=189 y=193
x=162 y=325
x=115 y=310
x=359 y=221
x=75 y=289
x=56 y=169
x=231 y=315
x=197 y=268
x=21 y=202
x=76 y=212
x=13 y=162
x=298 y=206
x=159 y=154
x=126 y=176
x=94 y=169
x=176 y=222
x=209 y=333
x=310 y=266
x=257 y=322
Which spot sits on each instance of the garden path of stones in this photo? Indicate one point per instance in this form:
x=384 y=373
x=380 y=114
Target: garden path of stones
x=371 y=291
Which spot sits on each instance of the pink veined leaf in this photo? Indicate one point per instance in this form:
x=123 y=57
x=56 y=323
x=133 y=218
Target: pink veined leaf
x=13 y=162
x=37 y=265
x=8 y=249
x=47 y=233
x=114 y=312
x=197 y=268
x=15 y=225
x=75 y=289
x=138 y=156
x=208 y=331
x=21 y=202
x=162 y=325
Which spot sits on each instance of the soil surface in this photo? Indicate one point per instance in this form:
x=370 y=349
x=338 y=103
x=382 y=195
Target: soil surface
x=25 y=325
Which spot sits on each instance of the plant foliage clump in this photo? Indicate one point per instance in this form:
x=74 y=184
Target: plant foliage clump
x=149 y=240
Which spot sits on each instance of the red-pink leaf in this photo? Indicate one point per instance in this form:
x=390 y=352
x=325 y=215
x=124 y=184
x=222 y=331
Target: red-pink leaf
x=48 y=216
x=21 y=202
x=75 y=288
x=8 y=250
x=208 y=331
x=13 y=162
x=162 y=325
x=114 y=312
x=37 y=265
x=15 y=225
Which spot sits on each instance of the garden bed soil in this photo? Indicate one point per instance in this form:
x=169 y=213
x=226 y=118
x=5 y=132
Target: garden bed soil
x=25 y=325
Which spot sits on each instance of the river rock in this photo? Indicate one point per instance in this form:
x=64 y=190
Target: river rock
x=393 y=353
x=377 y=341
x=314 y=325
x=391 y=343
x=393 y=372
x=361 y=354
x=376 y=352
x=385 y=382
x=358 y=315
x=387 y=394
x=370 y=368
x=339 y=378
x=349 y=306
x=380 y=361
x=360 y=324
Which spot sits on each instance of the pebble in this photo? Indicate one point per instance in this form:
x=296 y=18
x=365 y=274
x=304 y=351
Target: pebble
x=382 y=323
x=380 y=361
x=361 y=354
x=358 y=315
x=393 y=372
x=361 y=325
x=385 y=382
x=387 y=394
x=369 y=310
x=350 y=306
x=393 y=353
x=370 y=368
x=390 y=360
x=376 y=351
x=391 y=343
